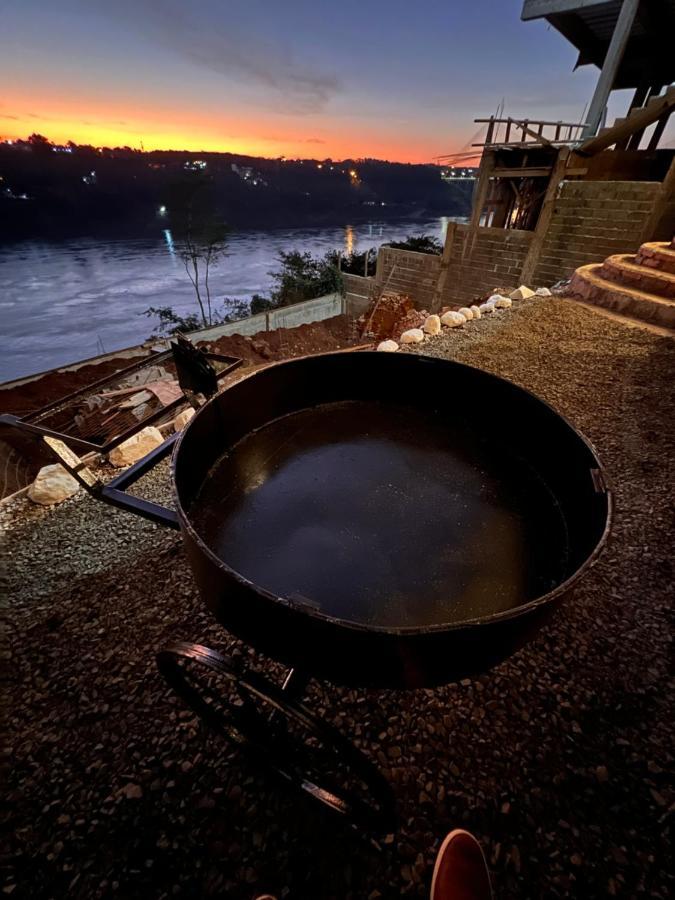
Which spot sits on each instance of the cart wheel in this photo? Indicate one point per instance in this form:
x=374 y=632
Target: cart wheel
x=282 y=733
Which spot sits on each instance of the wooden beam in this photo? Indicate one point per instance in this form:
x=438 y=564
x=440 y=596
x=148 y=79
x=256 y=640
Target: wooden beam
x=610 y=66
x=524 y=172
x=535 y=134
x=638 y=102
x=640 y=119
x=657 y=134
x=445 y=266
x=480 y=195
x=544 y=220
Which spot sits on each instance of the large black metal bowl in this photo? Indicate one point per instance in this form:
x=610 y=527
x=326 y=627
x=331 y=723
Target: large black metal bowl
x=386 y=519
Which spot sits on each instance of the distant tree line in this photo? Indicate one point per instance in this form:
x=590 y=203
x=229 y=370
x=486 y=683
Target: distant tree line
x=128 y=188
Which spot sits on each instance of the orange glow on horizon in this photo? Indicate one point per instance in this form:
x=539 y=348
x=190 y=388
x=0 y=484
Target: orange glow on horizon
x=164 y=129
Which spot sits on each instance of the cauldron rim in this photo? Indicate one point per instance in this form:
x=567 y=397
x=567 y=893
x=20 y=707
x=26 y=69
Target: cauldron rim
x=396 y=630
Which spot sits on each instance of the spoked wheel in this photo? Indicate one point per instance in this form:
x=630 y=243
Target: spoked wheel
x=281 y=732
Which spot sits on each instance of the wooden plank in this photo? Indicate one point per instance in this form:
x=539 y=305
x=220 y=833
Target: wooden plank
x=657 y=134
x=545 y=215
x=638 y=102
x=532 y=122
x=524 y=172
x=639 y=120
x=610 y=66
x=481 y=189
x=450 y=235
x=535 y=134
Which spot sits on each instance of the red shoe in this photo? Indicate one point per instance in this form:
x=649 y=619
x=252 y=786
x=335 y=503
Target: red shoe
x=461 y=872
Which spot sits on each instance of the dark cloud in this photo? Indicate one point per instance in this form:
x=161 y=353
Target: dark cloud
x=14 y=118
x=314 y=141
x=227 y=50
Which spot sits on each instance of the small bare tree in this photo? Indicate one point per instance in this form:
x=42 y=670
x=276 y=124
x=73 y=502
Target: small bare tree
x=200 y=236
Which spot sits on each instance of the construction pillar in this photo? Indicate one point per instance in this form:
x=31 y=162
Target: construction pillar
x=610 y=66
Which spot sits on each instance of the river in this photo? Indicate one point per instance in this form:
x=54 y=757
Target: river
x=68 y=300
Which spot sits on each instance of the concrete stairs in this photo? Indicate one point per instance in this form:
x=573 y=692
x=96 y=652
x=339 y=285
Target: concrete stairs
x=657 y=256
x=640 y=286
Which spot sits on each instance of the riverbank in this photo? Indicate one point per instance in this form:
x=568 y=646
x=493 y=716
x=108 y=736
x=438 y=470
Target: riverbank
x=557 y=759
x=75 y=299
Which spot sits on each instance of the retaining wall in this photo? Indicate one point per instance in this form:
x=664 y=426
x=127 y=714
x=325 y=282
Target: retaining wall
x=408 y=272
x=286 y=317
x=495 y=260
x=592 y=220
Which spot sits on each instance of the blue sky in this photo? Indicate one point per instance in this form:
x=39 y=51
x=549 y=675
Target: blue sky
x=372 y=78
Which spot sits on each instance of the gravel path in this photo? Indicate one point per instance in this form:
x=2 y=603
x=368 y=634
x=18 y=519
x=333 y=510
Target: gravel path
x=557 y=760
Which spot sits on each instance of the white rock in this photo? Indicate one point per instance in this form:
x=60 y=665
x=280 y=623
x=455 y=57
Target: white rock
x=412 y=336
x=543 y=292
x=486 y=308
x=135 y=447
x=493 y=298
x=183 y=418
x=503 y=303
x=387 y=347
x=452 y=319
x=432 y=324
x=521 y=293
x=466 y=312
x=53 y=484
x=476 y=312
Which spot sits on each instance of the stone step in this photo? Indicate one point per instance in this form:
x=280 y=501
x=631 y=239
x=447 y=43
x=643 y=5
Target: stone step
x=622 y=319
x=588 y=284
x=622 y=269
x=657 y=255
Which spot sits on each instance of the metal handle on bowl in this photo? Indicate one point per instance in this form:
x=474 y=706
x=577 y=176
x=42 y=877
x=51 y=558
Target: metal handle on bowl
x=114 y=491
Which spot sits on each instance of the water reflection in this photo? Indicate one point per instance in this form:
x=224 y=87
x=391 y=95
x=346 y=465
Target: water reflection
x=169 y=241
x=349 y=240
x=61 y=300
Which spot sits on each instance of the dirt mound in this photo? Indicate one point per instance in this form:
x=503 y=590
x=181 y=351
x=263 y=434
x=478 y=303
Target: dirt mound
x=385 y=319
x=285 y=343
x=35 y=394
x=316 y=337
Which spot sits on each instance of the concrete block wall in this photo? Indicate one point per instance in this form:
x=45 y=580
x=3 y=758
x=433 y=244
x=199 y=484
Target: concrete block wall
x=407 y=272
x=358 y=284
x=285 y=317
x=494 y=261
x=359 y=292
x=592 y=220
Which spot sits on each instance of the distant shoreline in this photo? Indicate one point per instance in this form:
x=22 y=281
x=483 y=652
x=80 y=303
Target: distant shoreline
x=130 y=229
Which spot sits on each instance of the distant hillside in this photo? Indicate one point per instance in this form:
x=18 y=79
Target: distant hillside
x=48 y=189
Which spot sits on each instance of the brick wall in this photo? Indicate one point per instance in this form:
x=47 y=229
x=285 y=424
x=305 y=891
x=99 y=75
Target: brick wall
x=357 y=284
x=494 y=261
x=591 y=220
x=407 y=272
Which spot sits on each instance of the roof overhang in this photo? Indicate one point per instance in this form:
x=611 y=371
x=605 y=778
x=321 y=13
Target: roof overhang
x=588 y=25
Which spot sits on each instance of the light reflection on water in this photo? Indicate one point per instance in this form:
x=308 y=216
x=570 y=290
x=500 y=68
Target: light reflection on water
x=62 y=301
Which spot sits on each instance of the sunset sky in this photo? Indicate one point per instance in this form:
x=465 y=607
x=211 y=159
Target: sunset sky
x=379 y=78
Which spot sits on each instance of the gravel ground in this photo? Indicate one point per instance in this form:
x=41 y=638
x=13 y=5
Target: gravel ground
x=557 y=760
